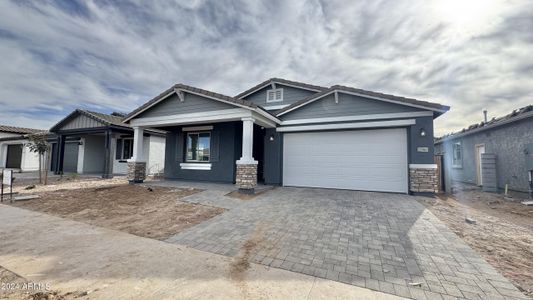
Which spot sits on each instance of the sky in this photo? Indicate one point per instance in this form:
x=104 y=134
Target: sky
x=56 y=56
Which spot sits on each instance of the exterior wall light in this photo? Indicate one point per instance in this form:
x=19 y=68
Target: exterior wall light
x=271 y=138
x=422 y=132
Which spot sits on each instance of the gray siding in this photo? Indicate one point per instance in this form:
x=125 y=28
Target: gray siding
x=225 y=150
x=290 y=95
x=416 y=141
x=273 y=157
x=94 y=154
x=507 y=142
x=348 y=105
x=192 y=104
x=81 y=121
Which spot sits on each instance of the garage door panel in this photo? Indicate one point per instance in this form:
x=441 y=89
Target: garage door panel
x=374 y=160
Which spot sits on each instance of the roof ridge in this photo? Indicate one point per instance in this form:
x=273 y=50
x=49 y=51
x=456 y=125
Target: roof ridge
x=281 y=81
x=513 y=115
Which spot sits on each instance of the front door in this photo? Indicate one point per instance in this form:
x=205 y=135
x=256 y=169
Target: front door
x=14 y=156
x=480 y=149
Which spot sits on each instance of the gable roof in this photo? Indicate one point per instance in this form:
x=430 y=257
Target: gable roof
x=109 y=120
x=21 y=130
x=439 y=108
x=305 y=86
x=193 y=90
x=514 y=116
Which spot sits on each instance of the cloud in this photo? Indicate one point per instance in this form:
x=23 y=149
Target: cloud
x=106 y=55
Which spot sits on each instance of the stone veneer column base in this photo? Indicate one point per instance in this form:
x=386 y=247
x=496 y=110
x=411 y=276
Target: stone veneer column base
x=423 y=179
x=246 y=179
x=136 y=171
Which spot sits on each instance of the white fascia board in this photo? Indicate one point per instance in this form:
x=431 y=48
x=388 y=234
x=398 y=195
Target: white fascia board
x=359 y=118
x=379 y=124
x=280 y=83
x=274 y=107
x=262 y=121
x=267 y=115
x=422 y=166
x=201 y=117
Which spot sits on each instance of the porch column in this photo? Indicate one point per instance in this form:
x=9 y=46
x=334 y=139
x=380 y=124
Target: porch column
x=136 y=165
x=108 y=159
x=60 y=154
x=246 y=178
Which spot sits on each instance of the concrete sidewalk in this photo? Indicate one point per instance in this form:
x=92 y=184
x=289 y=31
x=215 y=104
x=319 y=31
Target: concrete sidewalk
x=76 y=257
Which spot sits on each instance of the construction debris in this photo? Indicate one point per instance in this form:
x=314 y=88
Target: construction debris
x=470 y=220
x=528 y=203
x=415 y=284
x=25 y=197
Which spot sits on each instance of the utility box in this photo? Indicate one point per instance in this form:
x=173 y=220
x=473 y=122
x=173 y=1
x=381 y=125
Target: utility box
x=529 y=157
x=488 y=167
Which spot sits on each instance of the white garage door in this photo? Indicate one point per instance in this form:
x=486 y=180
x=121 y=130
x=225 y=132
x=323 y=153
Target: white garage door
x=369 y=160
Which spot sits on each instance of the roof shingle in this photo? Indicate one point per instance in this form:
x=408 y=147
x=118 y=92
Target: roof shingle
x=21 y=130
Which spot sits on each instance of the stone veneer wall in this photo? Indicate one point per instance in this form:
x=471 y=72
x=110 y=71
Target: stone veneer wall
x=136 y=172
x=423 y=180
x=246 y=178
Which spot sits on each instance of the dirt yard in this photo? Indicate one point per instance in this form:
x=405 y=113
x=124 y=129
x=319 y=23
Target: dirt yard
x=503 y=233
x=15 y=287
x=154 y=212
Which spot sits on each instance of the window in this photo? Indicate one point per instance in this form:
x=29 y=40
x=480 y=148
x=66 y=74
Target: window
x=124 y=149
x=457 y=155
x=198 y=146
x=275 y=95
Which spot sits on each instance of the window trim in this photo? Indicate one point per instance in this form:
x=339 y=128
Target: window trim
x=122 y=159
x=457 y=162
x=274 y=91
x=186 y=147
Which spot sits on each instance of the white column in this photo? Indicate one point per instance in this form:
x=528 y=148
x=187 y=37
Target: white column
x=137 y=144
x=247 y=142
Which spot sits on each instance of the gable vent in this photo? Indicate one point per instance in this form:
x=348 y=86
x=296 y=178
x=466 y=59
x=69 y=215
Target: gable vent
x=274 y=95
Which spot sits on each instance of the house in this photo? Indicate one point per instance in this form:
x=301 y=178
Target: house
x=13 y=153
x=507 y=137
x=289 y=133
x=87 y=142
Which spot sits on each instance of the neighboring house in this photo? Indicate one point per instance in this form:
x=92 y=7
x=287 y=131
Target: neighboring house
x=506 y=137
x=13 y=151
x=87 y=142
x=288 y=133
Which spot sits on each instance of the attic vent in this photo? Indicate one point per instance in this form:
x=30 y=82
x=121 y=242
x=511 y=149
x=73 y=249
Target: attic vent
x=274 y=95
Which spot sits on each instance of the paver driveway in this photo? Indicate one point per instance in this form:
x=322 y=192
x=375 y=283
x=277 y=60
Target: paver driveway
x=380 y=241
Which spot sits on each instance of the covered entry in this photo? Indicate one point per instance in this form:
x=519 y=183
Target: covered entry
x=14 y=156
x=370 y=160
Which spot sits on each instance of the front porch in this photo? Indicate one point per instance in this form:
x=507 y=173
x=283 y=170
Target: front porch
x=216 y=141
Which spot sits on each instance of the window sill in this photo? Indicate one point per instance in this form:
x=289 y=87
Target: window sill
x=195 y=166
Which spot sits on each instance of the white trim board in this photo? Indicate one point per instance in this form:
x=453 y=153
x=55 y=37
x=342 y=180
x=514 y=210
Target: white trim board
x=195 y=166
x=422 y=166
x=274 y=107
x=224 y=115
x=379 y=124
x=359 y=118
x=359 y=95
